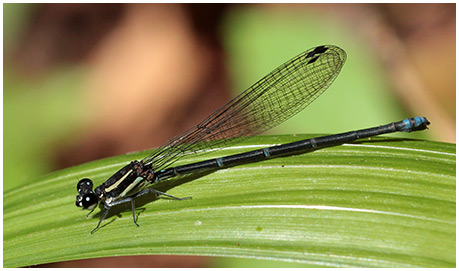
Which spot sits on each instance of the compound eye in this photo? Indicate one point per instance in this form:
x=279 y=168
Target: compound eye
x=84 y=185
x=87 y=201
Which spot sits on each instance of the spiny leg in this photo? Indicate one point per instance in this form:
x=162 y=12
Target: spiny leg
x=167 y=195
x=90 y=212
x=143 y=192
x=107 y=208
x=133 y=211
x=132 y=201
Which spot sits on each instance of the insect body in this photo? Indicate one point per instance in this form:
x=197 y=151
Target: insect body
x=269 y=102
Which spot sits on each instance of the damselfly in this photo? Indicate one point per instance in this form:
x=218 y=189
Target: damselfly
x=269 y=102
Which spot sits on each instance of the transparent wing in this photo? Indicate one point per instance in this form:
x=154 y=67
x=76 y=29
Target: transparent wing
x=269 y=102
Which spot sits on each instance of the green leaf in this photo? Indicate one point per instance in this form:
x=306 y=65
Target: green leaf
x=375 y=203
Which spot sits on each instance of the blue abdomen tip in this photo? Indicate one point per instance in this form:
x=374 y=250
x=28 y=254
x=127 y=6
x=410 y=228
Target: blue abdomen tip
x=414 y=124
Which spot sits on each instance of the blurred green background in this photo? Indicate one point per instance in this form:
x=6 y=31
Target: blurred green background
x=86 y=81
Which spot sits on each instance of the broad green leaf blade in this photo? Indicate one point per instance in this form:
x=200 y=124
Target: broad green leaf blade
x=376 y=203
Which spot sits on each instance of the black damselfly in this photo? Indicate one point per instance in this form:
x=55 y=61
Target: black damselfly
x=269 y=102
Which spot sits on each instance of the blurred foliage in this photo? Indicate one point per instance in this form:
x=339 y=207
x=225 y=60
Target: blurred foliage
x=15 y=18
x=37 y=116
x=39 y=113
x=42 y=113
x=258 y=42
